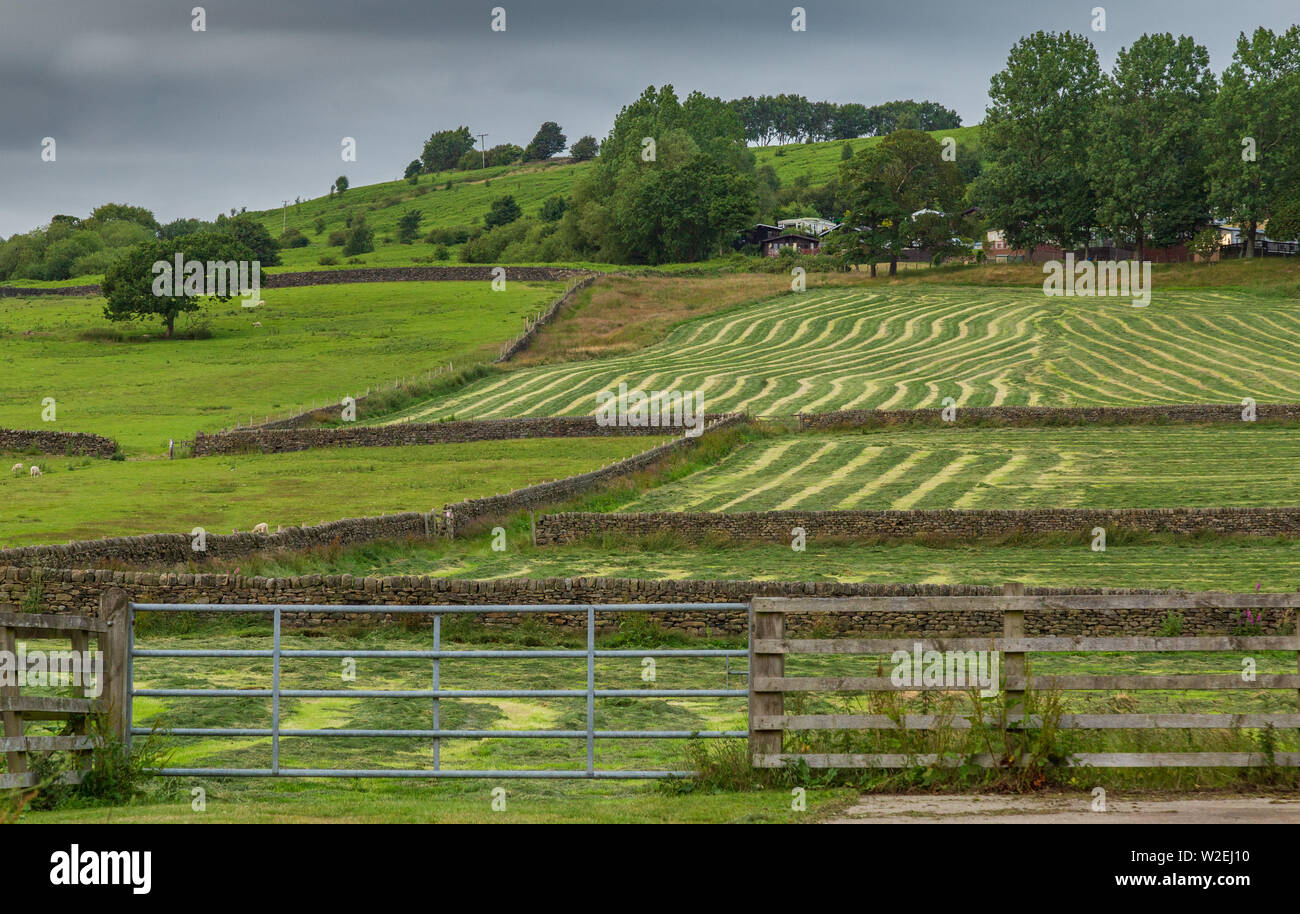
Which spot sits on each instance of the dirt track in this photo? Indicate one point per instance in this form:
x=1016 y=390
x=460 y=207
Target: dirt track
x=1067 y=809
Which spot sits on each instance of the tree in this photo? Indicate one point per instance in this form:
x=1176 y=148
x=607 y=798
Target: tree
x=504 y=154
x=178 y=227
x=503 y=211
x=887 y=186
x=408 y=226
x=341 y=184
x=1254 y=135
x=110 y=212
x=132 y=286
x=1147 y=156
x=1036 y=130
x=584 y=149
x=360 y=239
x=444 y=148
x=254 y=236
x=547 y=142
x=553 y=208
x=413 y=169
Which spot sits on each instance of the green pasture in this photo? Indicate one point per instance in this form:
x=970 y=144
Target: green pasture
x=996 y=468
x=820 y=162
x=84 y=498
x=899 y=346
x=315 y=344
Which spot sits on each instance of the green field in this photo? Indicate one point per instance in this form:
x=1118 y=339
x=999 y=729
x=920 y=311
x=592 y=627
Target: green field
x=912 y=345
x=996 y=468
x=315 y=343
x=83 y=498
x=820 y=162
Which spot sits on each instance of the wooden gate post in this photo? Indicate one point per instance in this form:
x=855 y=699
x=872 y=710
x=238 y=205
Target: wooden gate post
x=1013 y=626
x=12 y=718
x=114 y=609
x=766 y=626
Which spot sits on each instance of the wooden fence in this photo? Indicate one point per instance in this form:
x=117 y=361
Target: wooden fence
x=769 y=684
x=18 y=709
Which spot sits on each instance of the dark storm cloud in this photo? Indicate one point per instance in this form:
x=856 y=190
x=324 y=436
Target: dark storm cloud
x=253 y=110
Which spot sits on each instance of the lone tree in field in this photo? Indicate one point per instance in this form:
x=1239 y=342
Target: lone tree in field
x=132 y=284
x=548 y=141
x=408 y=225
x=341 y=184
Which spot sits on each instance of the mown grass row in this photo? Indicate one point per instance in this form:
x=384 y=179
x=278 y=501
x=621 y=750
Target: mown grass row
x=841 y=347
x=996 y=468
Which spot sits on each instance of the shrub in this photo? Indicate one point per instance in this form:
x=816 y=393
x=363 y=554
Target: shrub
x=360 y=239
x=327 y=260
x=338 y=238
x=292 y=238
x=503 y=211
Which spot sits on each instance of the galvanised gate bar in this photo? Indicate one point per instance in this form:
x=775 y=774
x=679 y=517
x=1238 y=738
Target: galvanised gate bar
x=435 y=694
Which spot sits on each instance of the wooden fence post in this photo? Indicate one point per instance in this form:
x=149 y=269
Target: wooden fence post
x=764 y=625
x=13 y=718
x=1013 y=626
x=114 y=609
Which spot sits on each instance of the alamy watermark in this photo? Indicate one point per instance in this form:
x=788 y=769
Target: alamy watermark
x=1102 y=278
x=196 y=279
x=45 y=669
x=920 y=668
x=659 y=408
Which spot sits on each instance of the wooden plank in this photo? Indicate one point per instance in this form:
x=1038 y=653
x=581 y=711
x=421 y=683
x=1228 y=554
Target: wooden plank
x=1092 y=759
x=28 y=779
x=1060 y=644
x=29 y=704
x=1139 y=682
x=115 y=610
x=53 y=621
x=1013 y=662
x=1065 y=721
x=45 y=743
x=81 y=724
x=765 y=702
x=840 y=684
x=1029 y=603
x=873 y=645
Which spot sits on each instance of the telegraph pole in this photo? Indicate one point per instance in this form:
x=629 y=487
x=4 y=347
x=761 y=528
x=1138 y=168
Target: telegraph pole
x=483 y=145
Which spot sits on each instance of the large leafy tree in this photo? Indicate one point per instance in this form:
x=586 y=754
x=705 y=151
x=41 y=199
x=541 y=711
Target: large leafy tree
x=1147 y=157
x=886 y=187
x=1254 y=134
x=673 y=182
x=253 y=235
x=548 y=140
x=131 y=284
x=445 y=147
x=1036 y=132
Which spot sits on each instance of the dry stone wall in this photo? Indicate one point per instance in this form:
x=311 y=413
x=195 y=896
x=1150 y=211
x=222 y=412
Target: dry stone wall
x=77 y=591
x=52 y=442
x=1052 y=415
x=776 y=526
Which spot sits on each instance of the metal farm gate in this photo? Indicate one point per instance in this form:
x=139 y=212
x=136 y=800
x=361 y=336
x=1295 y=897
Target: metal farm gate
x=435 y=693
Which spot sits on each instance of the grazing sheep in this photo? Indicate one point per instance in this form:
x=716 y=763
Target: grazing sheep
x=16 y=469
x=261 y=528
x=36 y=471
x=257 y=323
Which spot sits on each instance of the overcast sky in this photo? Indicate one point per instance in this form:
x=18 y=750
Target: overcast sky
x=144 y=110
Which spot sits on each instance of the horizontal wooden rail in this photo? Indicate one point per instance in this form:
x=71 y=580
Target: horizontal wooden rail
x=1090 y=759
x=61 y=625
x=1028 y=602
x=1065 y=721
x=1046 y=644
x=769 y=648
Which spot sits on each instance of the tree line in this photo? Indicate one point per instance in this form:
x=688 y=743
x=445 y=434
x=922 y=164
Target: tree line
x=1148 y=153
x=768 y=119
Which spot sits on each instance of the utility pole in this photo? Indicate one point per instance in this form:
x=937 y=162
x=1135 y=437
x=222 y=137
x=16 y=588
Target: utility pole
x=483 y=145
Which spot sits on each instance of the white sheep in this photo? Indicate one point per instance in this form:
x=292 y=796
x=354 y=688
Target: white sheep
x=36 y=471
x=16 y=469
x=257 y=323
x=261 y=528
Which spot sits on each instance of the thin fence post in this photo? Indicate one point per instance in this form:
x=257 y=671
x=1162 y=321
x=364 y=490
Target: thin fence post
x=13 y=719
x=764 y=625
x=1013 y=626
